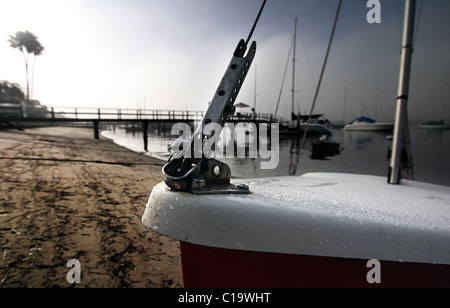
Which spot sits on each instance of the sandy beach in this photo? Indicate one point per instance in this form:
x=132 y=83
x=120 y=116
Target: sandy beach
x=63 y=196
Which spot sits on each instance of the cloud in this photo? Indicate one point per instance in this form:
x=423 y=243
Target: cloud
x=174 y=53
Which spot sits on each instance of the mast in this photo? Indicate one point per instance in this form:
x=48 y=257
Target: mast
x=293 y=69
x=401 y=135
x=345 y=103
x=254 y=95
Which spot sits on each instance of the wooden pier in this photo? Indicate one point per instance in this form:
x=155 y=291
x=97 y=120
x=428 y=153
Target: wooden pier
x=15 y=116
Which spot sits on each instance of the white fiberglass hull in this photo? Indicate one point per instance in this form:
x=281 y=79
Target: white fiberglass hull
x=313 y=129
x=362 y=126
x=443 y=126
x=301 y=231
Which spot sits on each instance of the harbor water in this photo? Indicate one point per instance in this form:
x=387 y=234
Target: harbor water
x=360 y=152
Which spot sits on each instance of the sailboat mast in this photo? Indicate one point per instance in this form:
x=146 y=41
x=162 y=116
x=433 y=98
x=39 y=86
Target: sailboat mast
x=345 y=103
x=401 y=138
x=293 y=68
x=254 y=94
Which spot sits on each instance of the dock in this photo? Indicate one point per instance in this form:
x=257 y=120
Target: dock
x=16 y=117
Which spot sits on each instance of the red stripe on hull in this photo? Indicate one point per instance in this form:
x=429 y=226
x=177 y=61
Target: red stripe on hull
x=226 y=268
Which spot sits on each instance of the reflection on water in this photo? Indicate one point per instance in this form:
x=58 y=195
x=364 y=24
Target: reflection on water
x=361 y=140
x=360 y=152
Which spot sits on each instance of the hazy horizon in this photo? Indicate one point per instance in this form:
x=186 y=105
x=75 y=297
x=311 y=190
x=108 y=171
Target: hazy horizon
x=172 y=54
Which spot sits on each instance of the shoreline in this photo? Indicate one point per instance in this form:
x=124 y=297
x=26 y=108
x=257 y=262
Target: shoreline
x=67 y=196
x=110 y=135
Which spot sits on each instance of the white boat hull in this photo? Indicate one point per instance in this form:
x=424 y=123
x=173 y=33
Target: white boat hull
x=313 y=129
x=306 y=229
x=425 y=126
x=362 y=126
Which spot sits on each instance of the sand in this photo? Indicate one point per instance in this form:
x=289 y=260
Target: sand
x=64 y=196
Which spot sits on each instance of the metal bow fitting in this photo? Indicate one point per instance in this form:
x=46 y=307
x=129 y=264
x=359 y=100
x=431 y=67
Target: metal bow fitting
x=189 y=169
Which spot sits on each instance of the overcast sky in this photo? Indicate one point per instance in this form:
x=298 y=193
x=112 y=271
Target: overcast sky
x=171 y=54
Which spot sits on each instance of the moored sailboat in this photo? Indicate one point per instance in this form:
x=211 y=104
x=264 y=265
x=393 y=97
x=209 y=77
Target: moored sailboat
x=316 y=124
x=368 y=124
x=434 y=125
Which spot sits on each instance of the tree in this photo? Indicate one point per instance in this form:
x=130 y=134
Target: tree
x=28 y=44
x=10 y=93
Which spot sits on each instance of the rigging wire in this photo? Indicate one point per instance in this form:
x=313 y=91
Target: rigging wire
x=293 y=168
x=284 y=77
x=418 y=23
x=256 y=22
x=307 y=57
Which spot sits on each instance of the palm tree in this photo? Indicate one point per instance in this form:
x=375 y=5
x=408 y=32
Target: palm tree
x=28 y=44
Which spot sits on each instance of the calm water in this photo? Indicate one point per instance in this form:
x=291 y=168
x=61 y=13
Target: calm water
x=361 y=152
